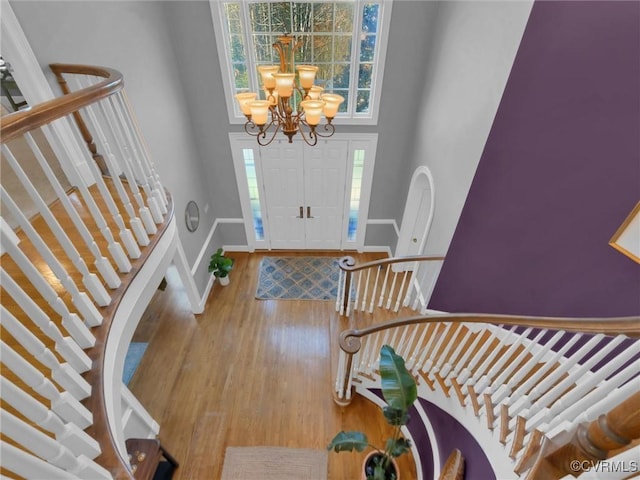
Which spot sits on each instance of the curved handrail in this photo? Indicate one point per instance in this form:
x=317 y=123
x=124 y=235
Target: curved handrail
x=630 y=326
x=348 y=264
x=19 y=123
x=110 y=457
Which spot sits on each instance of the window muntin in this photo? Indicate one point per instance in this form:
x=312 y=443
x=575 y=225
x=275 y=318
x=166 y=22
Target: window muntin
x=345 y=39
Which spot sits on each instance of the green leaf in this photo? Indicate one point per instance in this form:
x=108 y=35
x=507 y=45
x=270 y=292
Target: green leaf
x=398 y=447
x=395 y=416
x=348 y=441
x=398 y=385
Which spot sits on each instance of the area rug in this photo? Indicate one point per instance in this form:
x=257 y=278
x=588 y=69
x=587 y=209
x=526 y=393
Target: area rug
x=298 y=278
x=274 y=463
x=132 y=360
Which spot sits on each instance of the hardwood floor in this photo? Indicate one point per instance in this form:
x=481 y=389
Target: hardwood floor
x=247 y=372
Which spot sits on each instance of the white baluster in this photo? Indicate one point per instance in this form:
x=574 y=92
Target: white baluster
x=375 y=289
x=102 y=264
x=430 y=367
x=419 y=349
x=422 y=363
x=75 y=384
x=411 y=286
x=574 y=407
x=561 y=399
x=339 y=302
x=122 y=101
x=116 y=168
x=349 y=293
x=113 y=165
x=471 y=373
x=517 y=342
x=384 y=285
x=391 y=290
x=366 y=290
x=65 y=346
x=115 y=249
x=532 y=400
x=460 y=365
x=446 y=368
x=115 y=119
x=140 y=233
x=48 y=449
x=358 y=290
x=444 y=357
x=80 y=300
x=70 y=409
x=90 y=280
x=29 y=466
x=521 y=393
x=70 y=320
x=76 y=440
x=399 y=296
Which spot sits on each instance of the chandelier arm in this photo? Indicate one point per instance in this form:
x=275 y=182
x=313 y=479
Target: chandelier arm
x=261 y=138
x=312 y=139
x=327 y=127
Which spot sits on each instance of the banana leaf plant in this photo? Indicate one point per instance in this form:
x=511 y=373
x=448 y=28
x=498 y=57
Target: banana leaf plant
x=399 y=391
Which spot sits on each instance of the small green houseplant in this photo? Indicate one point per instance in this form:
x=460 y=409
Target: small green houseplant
x=399 y=391
x=220 y=266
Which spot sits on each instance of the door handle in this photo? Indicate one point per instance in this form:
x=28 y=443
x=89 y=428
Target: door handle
x=309 y=213
x=301 y=212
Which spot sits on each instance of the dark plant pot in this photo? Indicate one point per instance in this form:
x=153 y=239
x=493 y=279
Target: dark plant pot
x=369 y=463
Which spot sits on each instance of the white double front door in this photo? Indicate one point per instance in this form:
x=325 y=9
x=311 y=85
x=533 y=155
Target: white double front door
x=305 y=191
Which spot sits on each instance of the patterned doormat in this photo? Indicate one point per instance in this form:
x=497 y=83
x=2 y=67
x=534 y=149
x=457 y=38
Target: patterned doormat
x=298 y=278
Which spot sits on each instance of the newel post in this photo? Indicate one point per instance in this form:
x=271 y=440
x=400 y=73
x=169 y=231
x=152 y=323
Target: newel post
x=590 y=443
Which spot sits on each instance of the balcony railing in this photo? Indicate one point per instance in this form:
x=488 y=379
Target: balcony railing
x=79 y=251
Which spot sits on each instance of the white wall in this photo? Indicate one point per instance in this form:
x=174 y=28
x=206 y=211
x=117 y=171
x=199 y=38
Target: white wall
x=471 y=57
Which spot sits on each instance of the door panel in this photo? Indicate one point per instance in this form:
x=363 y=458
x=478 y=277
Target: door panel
x=284 y=194
x=325 y=179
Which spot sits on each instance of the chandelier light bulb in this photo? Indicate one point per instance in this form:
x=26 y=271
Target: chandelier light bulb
x=267 y=72
x=332 y=103
x=312 y=111
x=244 y=99
x=259 y=111
x=284 y=83
x=315 y=91
x=307 y=75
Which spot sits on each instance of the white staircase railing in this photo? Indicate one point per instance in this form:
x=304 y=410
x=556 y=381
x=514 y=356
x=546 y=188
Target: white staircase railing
x=523 y=378
x=63 y=273
x=389 y=284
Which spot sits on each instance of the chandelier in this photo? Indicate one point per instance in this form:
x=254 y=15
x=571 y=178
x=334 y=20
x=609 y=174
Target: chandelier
x=266 y=117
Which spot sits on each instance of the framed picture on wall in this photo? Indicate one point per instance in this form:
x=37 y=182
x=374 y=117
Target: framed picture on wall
x=627 y=238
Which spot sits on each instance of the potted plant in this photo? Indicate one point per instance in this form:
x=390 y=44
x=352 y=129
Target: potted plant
x=220 y=266
x=399 y=391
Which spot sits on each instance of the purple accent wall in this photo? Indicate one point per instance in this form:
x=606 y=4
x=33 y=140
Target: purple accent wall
x=559 y=173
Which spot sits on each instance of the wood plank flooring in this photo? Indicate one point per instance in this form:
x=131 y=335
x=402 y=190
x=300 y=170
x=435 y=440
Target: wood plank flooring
x=248 y=372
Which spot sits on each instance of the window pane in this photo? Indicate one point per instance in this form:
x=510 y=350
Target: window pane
x=305 y=52
x=233 y=18
x=342 y=49
x=341 y=76
x=322 y=48
x=323 y=17
x=263 y=49
x=344 y=17
x=281 y=17
x=259 y=14
x=254 y=195
x=367 y=48
x=237 y=49
x=301 y=13
x=364 y=75
x=362 y=105
x=240 y=77
x=370 y=18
